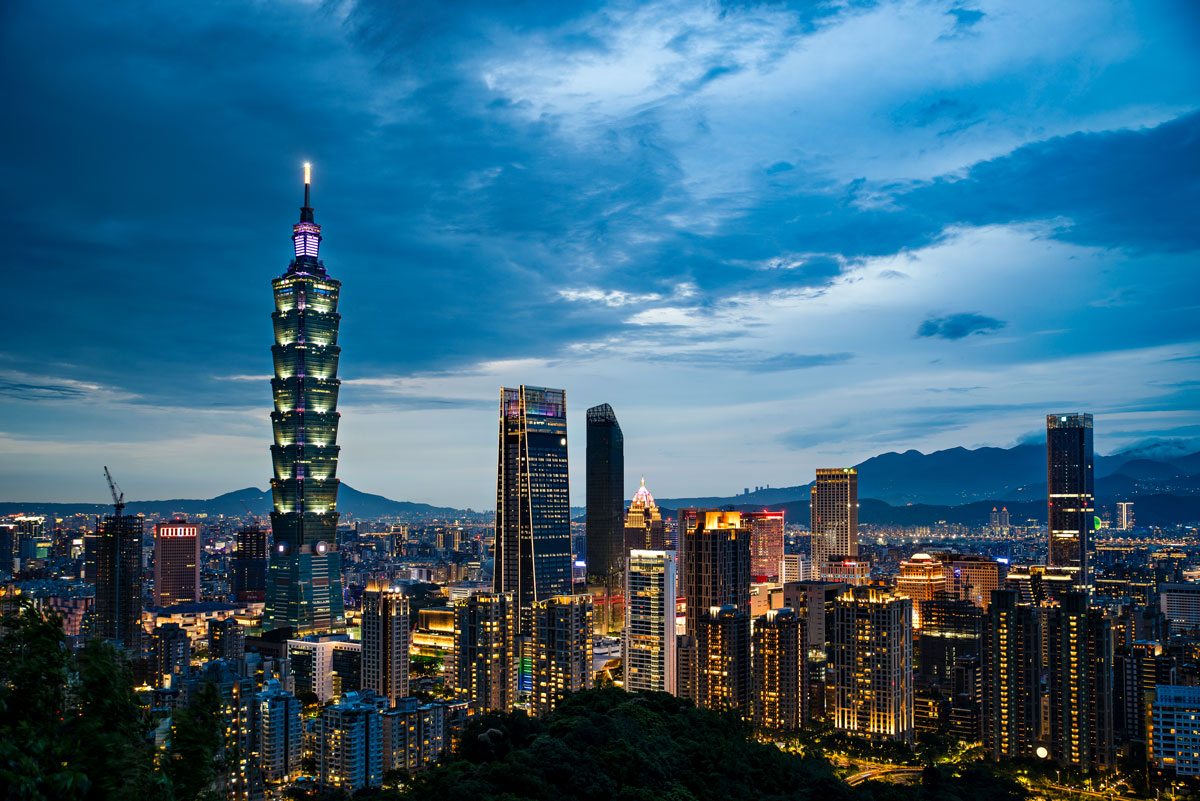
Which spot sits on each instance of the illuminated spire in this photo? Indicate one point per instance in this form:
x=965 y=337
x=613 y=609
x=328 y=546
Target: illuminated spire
x=306 y=234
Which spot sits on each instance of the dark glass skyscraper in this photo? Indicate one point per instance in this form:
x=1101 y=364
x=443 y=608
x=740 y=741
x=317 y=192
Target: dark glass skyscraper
x=1070 y=492
x=304 y=583
x=250 y=565
x=533 y=513
x=605 y=495
x=119 y=580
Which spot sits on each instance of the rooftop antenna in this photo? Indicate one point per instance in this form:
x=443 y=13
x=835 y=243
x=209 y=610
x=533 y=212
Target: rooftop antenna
x=307 y=180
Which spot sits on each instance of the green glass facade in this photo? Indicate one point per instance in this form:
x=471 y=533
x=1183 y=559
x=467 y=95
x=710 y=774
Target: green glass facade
x=304 y=583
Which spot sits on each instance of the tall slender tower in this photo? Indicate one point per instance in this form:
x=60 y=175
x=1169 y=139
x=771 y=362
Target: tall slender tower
x=605 y=495
x=385 y=643
x=1070 y=493
x=304 y=582
x=533 y=515
x=176 y=562
x=833 y=515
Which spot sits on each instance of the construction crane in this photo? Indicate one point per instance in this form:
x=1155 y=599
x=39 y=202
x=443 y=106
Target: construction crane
x=255 y=519
x=117 y=496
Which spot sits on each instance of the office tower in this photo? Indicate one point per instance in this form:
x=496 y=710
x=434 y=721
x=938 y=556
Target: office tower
x=766 y=544
x=715 y=560
x=279 y=738
x=119 y=580
x=722 y=659
x=350 y=734
x=605 y=495
x=1070 y=492
x=249 y=566
x=533 y=516
x=648 y=640
x=873 y=664
x=31 y=542
x=226 y=639
x=951 y=629
x=562 y=649
x=485 y=659
x=172 y=653
x=1180 y=602
x=973 y=578
x=1012 y=668
x=921 y=578
x=795 y=568
x=1080 y=656
x=385 y=643
x=304 y=584
x=779 y=689
x=833 y=514
x=1175 y=727
x=236 y=772
x=1125 y=518
x=176 y=562
x=644 y=528
x=1041 y=584
x=9 y=543
x=814 y=601
x=325 y=666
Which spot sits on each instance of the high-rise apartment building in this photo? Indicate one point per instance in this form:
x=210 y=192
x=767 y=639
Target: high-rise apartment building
x=644 y=526
x=778 y=686
x=1180 y=602
x=176 y=562
x=249 y=565
x=833 y=514
x=1012 y=669
x=873 y=664
x=722 y=659
x=648 y=641
x=226 y=639
x=1079 y=652
x=326 y=666
x=485 y=659
x=385 y=642
x=1070 y=491
x=1175 y=730
x=1125 y=520
x=921 y=578
x=562 y=649
x=279 y=740
x=533 y=515
x=814 y=601
x=304 y=584
x=172 y=653
x=350 y=735
x=119 y=580
x=605 y=496
x=766 y=544
x=951 y=630
x=235 y=720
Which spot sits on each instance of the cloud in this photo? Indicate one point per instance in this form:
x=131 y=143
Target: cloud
x=958 y=326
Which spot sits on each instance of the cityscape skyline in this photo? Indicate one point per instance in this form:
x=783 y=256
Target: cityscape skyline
x=925 y=303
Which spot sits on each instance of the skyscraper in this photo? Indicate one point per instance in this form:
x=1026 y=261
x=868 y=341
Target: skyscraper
x=644 y=529
x=385 y=643
x=119 y=580
x=1070 y=491
x=533 y=515
x=1080 y=656
x=833 y=515
x=722 y=659
x=304 y=586
x=921 y=578
x=250 y=565
x=779 y=688
x=766 y=544
x=605 y=495
x=648 y=641
x=279 y=737
x=176 y=562
x=1012 y=667
x=873 y=664
x=485 y=656
x=562 y=649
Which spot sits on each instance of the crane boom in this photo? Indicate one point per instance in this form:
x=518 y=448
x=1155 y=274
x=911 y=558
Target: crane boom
x=117 y=496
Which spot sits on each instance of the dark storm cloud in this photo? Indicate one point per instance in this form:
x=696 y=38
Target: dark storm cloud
x=958 y=326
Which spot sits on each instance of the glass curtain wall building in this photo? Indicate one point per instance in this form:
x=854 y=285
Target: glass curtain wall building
x=1070 y=492
x=533 y=515
x=304 y=584
x=605 y=495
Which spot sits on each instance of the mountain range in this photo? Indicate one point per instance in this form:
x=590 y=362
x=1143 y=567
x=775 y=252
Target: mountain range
x=909 y=488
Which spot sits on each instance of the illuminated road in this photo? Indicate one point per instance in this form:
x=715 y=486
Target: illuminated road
x=875 y=773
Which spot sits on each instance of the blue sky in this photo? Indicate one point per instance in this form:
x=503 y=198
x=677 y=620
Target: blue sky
x=772 y=236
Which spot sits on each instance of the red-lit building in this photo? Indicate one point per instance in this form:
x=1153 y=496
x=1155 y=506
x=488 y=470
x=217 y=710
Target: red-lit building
x=176 y=562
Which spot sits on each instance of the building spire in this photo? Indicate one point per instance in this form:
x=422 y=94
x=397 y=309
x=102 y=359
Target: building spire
x=306 y=234
x=306 y=212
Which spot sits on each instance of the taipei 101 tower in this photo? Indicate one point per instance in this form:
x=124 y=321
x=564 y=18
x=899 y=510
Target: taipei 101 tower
x=304 y=580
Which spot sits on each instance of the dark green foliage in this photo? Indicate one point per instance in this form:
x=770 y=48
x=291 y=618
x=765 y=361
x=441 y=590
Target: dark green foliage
x=607 y=744
x=196 y=742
